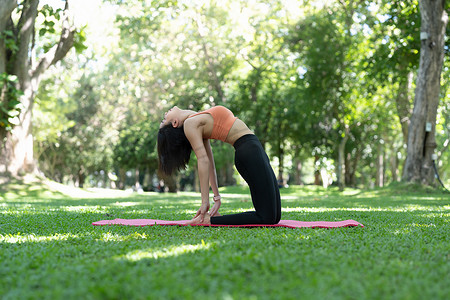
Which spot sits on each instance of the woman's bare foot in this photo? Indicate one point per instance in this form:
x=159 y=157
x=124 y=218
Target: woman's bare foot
x=197 y=220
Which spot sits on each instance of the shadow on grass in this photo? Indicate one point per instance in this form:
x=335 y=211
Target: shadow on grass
x=27 y=189
x=409 y=189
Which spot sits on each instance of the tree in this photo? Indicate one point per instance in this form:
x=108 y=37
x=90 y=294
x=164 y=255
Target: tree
x=327 y=45
x=421 y=136
x=396 y=27
x=263 y=96
x=136 y=148
x=184 y=65
x=22 y=62
x=83 y=143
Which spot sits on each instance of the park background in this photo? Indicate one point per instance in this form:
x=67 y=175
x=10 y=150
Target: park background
x=327 y=86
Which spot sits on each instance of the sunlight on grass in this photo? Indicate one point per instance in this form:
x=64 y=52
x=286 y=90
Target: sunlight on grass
x=127 y=204
x=175 y=198
x=423 y=225
x=164 y=253
x=26 y=238
x=234 y=196
x=114 y=237
x=407 y=208
x=313 y=190
x=83 y=208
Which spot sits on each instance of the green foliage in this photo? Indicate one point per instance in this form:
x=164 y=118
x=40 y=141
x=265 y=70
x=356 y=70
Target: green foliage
x=401 y=253
x=10 y=105
x=320 y=43
x=48 y=26
x=443 y=124
x=304 y=78
x=80 y=143
x=79 y=41
x=395 y=38
x=136 y=146
x=9 y=39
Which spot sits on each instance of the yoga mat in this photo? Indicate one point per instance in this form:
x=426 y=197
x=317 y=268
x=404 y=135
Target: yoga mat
x=282 y=223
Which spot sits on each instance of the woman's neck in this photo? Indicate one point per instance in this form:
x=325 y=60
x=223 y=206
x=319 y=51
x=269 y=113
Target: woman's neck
x=185 y=113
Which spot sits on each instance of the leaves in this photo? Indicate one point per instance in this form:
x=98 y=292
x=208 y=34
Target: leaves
x=136 y=146
x=79 y=42
x=10 y=105
x=303 y=77
x=9 y=39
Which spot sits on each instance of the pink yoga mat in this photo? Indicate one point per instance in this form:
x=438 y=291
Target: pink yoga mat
x=282 y=223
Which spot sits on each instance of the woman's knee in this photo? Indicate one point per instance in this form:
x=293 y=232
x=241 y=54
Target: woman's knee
x=270 y=218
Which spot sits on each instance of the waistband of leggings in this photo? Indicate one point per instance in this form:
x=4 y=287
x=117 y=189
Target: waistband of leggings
x=243 y=139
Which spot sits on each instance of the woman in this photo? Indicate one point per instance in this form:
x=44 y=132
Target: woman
x=182 y=131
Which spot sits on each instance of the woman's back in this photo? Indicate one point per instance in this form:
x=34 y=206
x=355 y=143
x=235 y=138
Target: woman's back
x=225 y=126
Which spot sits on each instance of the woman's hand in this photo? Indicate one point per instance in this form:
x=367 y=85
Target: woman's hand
x=202 y=210
x=216 y=206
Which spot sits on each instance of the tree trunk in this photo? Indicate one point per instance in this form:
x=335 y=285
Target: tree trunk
x=421 y=138
x=298 y=172
x=20 y=139
x=81 y=178
x=341 y=159
x=171 y=184
x=350 y=168
x=122 y=178
x=403 y=104
x=137 y=184
x=317 y=178
x=225 y=175
x=280 y=164
x=229 y=174
x=393 y=164
x=379 y=179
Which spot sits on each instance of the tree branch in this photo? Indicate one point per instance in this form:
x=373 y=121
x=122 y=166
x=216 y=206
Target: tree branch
x=25 y=29
x=58 y=51
x=6 y=8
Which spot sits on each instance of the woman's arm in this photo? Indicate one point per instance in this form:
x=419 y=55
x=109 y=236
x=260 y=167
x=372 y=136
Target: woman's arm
x=195 y=136
x=212 y=168
x=212 y=178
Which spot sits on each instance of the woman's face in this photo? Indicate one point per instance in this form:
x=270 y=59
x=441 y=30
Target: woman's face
x=169 y=116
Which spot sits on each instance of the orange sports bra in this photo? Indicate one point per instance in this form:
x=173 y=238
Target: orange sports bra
x=223 y=121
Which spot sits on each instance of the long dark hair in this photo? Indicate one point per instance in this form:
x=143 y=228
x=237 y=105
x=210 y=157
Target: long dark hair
x=174 y=149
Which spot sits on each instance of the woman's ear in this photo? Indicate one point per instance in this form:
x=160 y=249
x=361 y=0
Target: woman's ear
x=175 y=123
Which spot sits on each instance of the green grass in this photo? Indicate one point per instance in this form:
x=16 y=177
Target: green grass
x=50 y=250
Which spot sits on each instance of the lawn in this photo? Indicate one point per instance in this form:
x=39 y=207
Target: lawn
x=50 y=250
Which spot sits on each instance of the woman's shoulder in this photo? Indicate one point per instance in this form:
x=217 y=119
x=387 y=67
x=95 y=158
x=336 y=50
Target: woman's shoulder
x=197 y=119
x=200 y=123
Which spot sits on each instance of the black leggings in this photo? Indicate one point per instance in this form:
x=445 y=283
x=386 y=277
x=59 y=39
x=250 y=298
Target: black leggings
x=254 y=166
